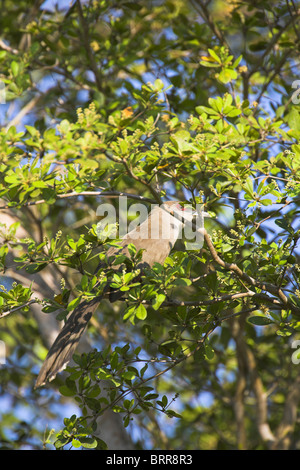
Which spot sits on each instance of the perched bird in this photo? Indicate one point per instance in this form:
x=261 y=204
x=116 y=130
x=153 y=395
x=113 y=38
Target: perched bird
x=156 y=236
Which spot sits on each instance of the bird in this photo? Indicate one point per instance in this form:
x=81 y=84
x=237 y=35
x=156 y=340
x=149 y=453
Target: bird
x=156 y=237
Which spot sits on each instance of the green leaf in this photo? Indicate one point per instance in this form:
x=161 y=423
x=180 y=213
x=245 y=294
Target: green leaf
x=15 y=68
x=84 y=282
x=159 y=84
x=285 y=225
x=129 y=313
x=237 y=61
x=233 y=113
x=39 y=184
x=248 y=187
x=141 y=312
x=164 y=400
x=49 y=195
x=208 y=64
x=66 y=391
x=11 y=179
x=293 y=119
x=35 y=267
x=88 y=442
x=209 y=352
x=227 y=75
x=159 y=299
x=131 y=249
x=266 y=202
x=114 y=360
x=214 y=56
x=129 y=375
x=206 y=110
x=173 y=414
x=73 y=303
x=61 y=442
x=76 y=443
x=181 y=138
x=101 y=445
x=260 y=320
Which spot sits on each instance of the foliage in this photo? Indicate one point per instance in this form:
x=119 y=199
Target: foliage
x=171 y=99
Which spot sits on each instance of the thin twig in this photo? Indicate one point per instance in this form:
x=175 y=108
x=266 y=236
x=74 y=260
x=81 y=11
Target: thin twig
x=8 y=312
x=25 y=110
x=8 y=48
x=111 y=194
x=222 y=298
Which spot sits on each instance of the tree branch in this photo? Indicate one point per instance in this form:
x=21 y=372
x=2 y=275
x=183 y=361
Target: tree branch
x=271 y=288
x=289 y=419
x=247 y=364
x=202 y=9
x=85 y=193
x=15 y=309
x=222 y=298
x=86 y=41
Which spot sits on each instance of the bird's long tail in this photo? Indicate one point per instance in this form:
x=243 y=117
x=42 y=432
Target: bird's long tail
x=66 y=342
